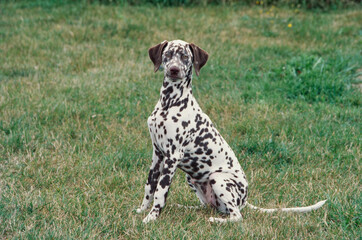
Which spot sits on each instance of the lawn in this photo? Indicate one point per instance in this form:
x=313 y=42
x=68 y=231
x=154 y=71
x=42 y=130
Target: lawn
x=282 y=86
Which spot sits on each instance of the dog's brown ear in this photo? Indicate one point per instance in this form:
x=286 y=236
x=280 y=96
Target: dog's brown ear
x=155 y=54
x=200 y=57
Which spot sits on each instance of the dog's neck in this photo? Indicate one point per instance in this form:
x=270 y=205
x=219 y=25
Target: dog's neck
x=176 y=92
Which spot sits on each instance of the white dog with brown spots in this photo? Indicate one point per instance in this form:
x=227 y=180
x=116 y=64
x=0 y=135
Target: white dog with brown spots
x=184 y=137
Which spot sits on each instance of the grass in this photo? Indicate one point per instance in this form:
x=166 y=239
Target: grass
x=76 y=88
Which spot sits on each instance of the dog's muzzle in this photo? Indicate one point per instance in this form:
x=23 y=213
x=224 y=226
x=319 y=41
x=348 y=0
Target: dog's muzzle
x=174 y=73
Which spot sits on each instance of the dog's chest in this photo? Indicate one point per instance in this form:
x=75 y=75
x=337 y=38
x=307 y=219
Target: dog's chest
x=170 y=128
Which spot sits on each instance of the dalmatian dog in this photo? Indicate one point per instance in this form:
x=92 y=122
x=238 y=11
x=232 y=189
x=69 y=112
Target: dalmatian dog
x=184 y=137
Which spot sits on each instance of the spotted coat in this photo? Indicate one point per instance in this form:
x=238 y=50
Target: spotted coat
x=184 y=137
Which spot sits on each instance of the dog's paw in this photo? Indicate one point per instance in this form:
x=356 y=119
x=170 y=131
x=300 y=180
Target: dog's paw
x=150 y=217
x=141 y=209
x=225 y=220
x=217 y=220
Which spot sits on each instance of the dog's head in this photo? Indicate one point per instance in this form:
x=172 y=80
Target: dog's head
x=177 y=58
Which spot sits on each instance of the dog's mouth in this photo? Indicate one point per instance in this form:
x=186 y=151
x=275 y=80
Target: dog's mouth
x=173 y=77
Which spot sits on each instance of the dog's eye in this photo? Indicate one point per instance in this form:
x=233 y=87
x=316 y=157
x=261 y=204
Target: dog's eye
x=168 y=54
x=185 y=57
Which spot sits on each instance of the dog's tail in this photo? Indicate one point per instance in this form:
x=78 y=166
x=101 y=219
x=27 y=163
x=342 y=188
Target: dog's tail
x=294 y=209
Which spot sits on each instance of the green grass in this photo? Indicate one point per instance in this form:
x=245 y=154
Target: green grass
x=76 y=88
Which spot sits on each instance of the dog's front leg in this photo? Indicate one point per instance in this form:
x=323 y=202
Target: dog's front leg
x=153 y=177
x=162 y=189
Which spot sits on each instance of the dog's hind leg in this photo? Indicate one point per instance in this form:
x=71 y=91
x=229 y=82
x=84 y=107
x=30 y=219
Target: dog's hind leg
x=230 y=193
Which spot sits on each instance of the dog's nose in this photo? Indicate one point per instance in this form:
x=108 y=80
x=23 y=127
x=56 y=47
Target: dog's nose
x=174 y=71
